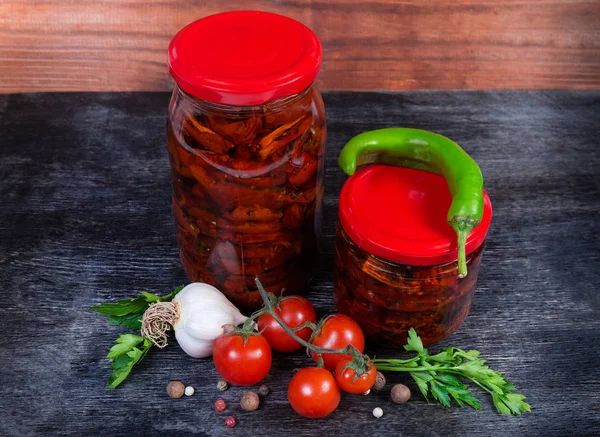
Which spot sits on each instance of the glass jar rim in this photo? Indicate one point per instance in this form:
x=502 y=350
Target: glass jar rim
x=199 y=103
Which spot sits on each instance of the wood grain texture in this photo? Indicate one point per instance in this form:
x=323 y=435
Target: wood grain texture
x=85 y=218
x=120 y=45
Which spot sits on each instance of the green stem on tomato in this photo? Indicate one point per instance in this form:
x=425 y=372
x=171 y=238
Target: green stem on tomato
x=320 y=362
x=249 y=320
x=306 y=324
x=348 y=350
x=247 y=328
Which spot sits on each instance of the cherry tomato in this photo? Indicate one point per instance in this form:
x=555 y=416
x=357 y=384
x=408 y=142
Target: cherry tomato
x=239 y=363
x=345 y=378
x=294 y=311
x=337 y=332
x=313 y=392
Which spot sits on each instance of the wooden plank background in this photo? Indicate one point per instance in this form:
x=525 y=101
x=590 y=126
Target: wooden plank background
x=106 y=45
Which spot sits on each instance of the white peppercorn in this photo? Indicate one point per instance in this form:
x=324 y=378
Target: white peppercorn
x=377 y=412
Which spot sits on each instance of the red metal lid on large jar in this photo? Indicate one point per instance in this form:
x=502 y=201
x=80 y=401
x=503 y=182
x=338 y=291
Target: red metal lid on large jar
x=400 y=213
x=244 y=58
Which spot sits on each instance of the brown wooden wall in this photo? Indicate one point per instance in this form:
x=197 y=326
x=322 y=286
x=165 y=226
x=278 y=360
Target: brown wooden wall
x=368 y=44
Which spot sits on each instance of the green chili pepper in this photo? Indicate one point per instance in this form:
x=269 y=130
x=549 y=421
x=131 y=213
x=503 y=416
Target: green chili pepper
x=425 y=150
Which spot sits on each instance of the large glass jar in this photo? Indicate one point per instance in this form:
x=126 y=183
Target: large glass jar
x=247 y=153
x=395 y=256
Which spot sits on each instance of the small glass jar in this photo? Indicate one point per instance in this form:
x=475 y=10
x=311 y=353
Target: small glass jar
x=395 y=256
x=246 y=137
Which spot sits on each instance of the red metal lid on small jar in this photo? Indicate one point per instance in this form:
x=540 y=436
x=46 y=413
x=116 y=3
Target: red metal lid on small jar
x=400 y=213
x=244 y=58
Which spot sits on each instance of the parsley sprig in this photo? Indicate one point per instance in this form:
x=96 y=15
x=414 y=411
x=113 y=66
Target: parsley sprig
x=129 y=349
x=442 y=375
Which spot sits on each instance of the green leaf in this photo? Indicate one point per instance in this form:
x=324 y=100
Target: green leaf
x=131 y=321
x=473 y=353
x=129 y=312
x=496 y=378
x=444 y=356
x=414 y=342
x=471 y=401
x=448 y=379
x=475 y=369
x=462 y=395
x=440 y=393
x=495 y=388
x=125 y=343
x=510 y=404
x=514 y=397
x=121 y=307
x=425 y=376
x=502 y=409
x=515 y=403
x=461 y=354
x=421 y=383
x=150 y=297
x=129 y=350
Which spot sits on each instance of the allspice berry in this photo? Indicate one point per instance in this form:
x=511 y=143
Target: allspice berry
x=250 y=401
x=400 y=393
x=263 y=391
x=175 y=389
x=379 y=382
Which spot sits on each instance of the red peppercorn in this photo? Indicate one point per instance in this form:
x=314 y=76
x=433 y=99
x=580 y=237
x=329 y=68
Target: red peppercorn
x=220 y=405
x=230 y=422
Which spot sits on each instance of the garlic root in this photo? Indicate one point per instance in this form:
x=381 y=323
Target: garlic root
x=157 y=321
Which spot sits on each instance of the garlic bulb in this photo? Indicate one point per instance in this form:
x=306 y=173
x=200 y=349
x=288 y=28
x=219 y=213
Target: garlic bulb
x=203 y=313
x=198 y=314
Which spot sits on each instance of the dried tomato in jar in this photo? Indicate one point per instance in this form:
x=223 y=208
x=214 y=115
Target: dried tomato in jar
x=396 y=256
x=246 y=137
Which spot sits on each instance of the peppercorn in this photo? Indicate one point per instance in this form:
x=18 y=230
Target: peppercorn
x=250 y=401
x=230 y=422
x=189 y=391
x=220 y=405
x=175 y=389
x=222 y=385
x=264 y=391
x=379 y=381
x=400 y=393
x=377 y=412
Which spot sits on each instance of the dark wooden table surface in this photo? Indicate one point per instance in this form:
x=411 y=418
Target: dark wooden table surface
x=85 y=217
